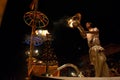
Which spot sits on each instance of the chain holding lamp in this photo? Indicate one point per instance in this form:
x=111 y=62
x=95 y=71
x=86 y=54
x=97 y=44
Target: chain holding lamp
x=35 y=19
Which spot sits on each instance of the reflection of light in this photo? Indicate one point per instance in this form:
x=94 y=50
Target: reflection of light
x=81 y=75
x=73 y=74
x=42 y=32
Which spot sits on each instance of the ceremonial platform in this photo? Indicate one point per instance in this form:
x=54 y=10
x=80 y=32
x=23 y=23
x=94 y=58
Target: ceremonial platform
x=87 y=78
x=75 y=78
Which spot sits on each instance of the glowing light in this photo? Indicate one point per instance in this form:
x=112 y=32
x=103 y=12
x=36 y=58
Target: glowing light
x=42 y=32
x=36 y=52
x=40 y=61
x=70 y=23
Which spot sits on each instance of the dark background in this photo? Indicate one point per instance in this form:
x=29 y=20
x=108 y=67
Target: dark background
x=103 y=14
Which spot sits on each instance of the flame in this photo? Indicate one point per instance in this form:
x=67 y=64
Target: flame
x=70 y=23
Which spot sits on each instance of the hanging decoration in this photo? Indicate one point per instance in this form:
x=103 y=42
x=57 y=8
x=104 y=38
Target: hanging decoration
x=39 y=18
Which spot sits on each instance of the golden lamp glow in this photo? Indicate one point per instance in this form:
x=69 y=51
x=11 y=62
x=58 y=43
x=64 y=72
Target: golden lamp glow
x=42 y=32
x=70 y=23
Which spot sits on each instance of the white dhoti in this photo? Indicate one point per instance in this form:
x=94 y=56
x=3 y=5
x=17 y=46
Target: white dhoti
x=98 y=59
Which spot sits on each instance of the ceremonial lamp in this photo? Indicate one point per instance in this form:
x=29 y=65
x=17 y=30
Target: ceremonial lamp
x=74 y=21
x=35 y=19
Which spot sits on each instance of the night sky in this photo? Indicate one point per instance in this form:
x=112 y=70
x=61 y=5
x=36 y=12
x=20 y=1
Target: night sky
x=103 y=14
